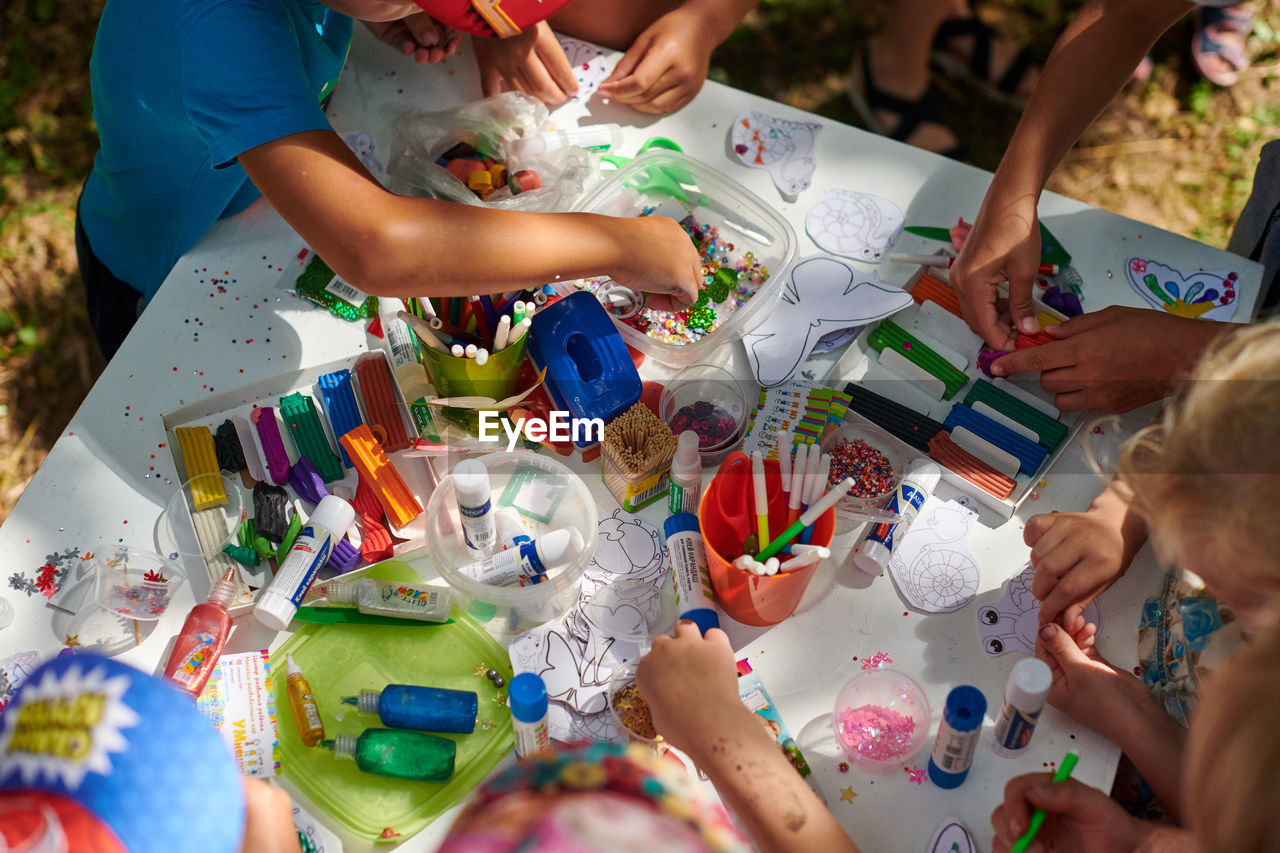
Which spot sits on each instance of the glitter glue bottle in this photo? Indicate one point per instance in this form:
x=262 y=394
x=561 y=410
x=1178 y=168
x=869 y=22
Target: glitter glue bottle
x=416 y=756
x=432 y=709
x=204 y=633
x=303 y=703
x=872 y=556
x=390 y=598
x=471 y=483
x=685 y=549
x=1024 y=697
x=527 y=696
x=529 y=562
x=298 y=570
x=957 y=736
x=686 y=475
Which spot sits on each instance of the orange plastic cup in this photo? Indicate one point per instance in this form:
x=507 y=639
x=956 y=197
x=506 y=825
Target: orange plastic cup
x=748 y=598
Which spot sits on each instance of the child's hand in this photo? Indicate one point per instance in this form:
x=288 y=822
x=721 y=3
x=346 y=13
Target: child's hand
x=1076 y=556
x=532 y=62
x=691 y=686
x=268 y=825
x=1113 y=360
x=665 y=67
x=661 y=261
x=1088 y=688
x=418 y=35
x=1004 y=245
x=1078 y=817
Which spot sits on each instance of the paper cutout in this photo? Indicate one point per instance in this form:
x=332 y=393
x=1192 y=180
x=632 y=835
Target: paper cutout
x=951 y=837
x=576 y=656
x=318 y=837
x=362 y=143
x=588 y=64
x=932 y=567
x=14 y=670
x=1200 y=293
x=820 y=294
x=857 y=225
x=1011 y=623
x=782 y=147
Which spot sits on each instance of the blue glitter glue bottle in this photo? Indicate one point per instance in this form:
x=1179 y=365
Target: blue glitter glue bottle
x=957 y=736
x=430 y=709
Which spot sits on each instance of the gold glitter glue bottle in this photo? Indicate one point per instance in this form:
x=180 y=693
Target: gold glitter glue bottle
x=303 y=703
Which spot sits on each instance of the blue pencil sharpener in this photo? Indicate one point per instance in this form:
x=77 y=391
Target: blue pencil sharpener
x=590 y=374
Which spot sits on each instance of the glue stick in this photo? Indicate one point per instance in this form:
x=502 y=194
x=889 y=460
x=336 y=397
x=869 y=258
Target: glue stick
x=872 y=556
x=957 y=736
x=688 y=556
x=308 y=555
x=527 y=695
x=398 y=341
x=511 y=529
x=471 y=483
x=1024 y=697
x=686 y=475
x=528 y=563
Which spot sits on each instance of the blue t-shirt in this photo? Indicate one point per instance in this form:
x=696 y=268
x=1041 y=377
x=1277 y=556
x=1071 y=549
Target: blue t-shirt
x=180 y=89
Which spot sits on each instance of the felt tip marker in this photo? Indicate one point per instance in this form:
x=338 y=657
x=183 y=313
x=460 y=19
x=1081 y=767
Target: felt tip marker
x=759 y=489
x=808 y=517
x=1048 y=269
x=797 y=483
x=1039 y=815
x=784 y=464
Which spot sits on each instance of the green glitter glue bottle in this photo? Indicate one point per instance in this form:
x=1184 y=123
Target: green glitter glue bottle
x=397 y=753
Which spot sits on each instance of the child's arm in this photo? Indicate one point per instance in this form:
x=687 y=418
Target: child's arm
x=1089 y=64
x=1119 y=707
x=393 y=245
x=1077 y=555
x=691 y=686
x=1078 y=818
x=667 y=64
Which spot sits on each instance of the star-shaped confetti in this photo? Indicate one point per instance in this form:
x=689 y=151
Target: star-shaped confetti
x=72 y=641
x=847 y=794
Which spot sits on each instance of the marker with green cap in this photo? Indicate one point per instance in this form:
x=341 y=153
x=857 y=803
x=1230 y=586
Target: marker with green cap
x=1038 y=816
x=809 y=516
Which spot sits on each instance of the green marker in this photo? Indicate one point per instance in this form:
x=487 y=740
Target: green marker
x=1038 y=816
x=929 y=232
x=807 y=518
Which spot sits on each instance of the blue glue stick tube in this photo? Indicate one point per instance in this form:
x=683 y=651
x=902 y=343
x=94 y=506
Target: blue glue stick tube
x=872 y=556
x=957 y=736
x=694 y=599
x=428 y=709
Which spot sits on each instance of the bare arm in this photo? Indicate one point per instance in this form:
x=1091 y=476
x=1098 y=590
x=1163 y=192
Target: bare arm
x=394 y=245
x=1088 y=66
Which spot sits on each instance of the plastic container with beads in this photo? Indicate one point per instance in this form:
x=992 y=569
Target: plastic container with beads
x=736 y=232
x=872 y=457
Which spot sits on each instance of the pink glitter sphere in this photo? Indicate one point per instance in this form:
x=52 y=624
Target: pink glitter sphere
x=881 y=719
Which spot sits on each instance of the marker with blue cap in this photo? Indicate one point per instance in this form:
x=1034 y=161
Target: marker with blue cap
x=694 y=599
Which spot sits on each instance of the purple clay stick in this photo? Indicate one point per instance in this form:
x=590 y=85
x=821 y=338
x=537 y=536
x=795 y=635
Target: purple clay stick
x=987 y=357
x=264 y=418
x=306 y=481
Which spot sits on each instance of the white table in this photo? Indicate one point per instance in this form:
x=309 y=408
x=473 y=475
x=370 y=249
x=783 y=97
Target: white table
x=109 y=476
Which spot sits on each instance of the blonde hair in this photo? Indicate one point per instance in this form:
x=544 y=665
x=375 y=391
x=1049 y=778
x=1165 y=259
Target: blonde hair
x=1211 y=464
x=1232 y=769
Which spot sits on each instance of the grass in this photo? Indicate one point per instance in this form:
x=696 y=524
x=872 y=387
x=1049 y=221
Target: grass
x=1174 y=152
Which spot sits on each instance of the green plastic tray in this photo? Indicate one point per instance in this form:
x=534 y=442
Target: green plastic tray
x=340 y=660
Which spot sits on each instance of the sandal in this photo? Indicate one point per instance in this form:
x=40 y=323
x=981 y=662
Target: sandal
x=979 y=65
x=912 y=114
x=1211 y=24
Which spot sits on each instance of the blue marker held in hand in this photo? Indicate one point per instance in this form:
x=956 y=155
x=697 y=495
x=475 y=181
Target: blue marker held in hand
x=695 y=600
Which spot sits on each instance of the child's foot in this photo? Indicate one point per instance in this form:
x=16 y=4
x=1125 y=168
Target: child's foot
x=1218 y=43
x=1006 y=68
x=895 y=102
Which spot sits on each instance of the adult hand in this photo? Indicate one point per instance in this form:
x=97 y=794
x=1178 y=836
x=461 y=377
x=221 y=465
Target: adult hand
x=661 y=261
x=1076 y=556
x=1004 y=245
x=665 y=67
x=268 y=826
x=691 y=686
x=532 y=62
x=418 y=35
x=1077 y=817
x=1113 y=360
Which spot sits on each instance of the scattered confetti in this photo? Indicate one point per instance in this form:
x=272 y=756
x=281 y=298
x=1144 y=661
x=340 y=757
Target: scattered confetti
x=847 y=794
x=843 y=767
x=916 y=774
x=633 y=711
x=876 y=661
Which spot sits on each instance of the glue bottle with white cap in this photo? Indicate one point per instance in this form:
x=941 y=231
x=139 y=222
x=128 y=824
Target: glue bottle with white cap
x=475 y=509
x=872 y=556
x=687 y=553
x=529 y=562
x=310 y=551
x=686 y=475
x=1024 y=697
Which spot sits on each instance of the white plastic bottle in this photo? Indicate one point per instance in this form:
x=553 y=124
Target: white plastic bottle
x=390 y=598
x=529 y=562
x=310 y=551
x=511 y=529
x=401 y=347
x=872 y=556
x=686 y=475
x=695 y=600
x=1024 y=698
x=471 y=483
x=597 y=138
x=527 y=695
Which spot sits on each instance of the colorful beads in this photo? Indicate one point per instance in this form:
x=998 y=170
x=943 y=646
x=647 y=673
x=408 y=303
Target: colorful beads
x=713 y=424
x=872 y=473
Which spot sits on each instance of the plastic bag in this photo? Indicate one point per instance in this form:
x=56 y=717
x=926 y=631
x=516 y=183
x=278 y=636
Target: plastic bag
x=492 y=126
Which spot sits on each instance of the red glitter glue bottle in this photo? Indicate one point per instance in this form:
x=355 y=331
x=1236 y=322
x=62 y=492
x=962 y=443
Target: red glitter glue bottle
x=199 y=644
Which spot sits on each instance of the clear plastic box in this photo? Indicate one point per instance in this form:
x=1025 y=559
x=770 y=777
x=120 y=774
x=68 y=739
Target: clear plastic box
x=671 y=182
